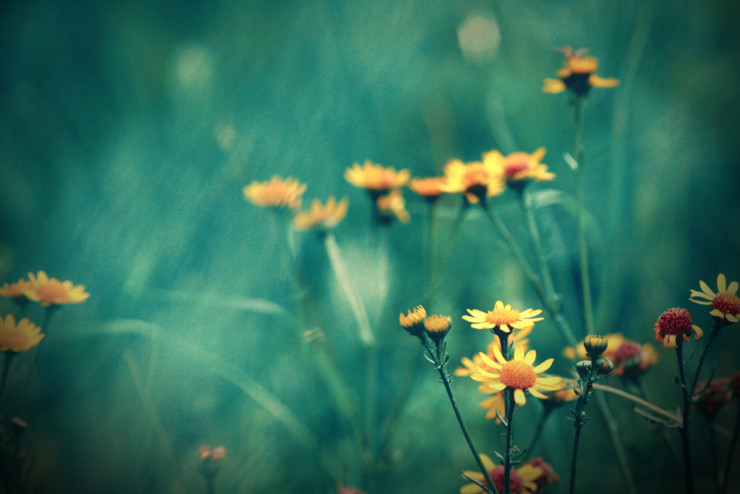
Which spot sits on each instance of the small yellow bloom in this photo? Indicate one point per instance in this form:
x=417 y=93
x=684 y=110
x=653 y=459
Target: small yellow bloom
x=518 y=374
x=475 y=180
x=429 y=188
x=320 y=216
x=18 y=338
x=577 y=75
x=375 y=177
x=277 y=193
x=413 y=322
x=522 y=480
x=519 y=166
x=51 y=291
x=503 y=317
x=14 y=290
x=393 y=205
x=725 y=303
x=437 y=327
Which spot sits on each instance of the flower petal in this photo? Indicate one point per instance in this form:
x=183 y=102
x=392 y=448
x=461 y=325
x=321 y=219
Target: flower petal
x=519 y=397
x=544 y=365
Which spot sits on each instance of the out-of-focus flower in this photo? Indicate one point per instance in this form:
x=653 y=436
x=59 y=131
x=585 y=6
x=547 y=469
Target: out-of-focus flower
x=278 y=193
x=321 y=217
x=14 y=290
x=713 y=396
x=675 y=323
x=518 y=374
x=632 y=358
x=521 y=480
x=475 y=180
x=19 y=337
x=429 y=188
x=348 y=490
x=392 y=205
x=51 y=291
x=725 y=303
x=579 y=352
x=577 y=75
x=503 y=317
x=413 y=322
x=519 y=166
x=548 y=475
x=375 y=177
x=212 y=454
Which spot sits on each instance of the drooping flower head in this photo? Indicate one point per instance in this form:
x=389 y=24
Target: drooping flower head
x=725 y=303
x=518 y=374
x=15 y=290
x=673 y=324
x=377 y=178
x=577 y=75
x=519 y=166
x=430 y=188
x=522 y=480
x=19 y=337
x=475 y=180
x=278 y=193
x=51 y=291
x=321 y=217
x=502 y=317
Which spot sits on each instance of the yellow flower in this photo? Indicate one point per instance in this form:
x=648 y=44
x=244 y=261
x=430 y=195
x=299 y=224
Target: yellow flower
x=503 y=317
x=18 y=338
x=674 y=324
x=725 y=303
x=476 y=180
x=413 y=322
x=13 y=290
x=429 y=188
x=321 y=216
x=518 y=374
x=376 y=177
x=51 y=291
x=519 y=166
x=392 y=205
x=614 y=340
x=437 y=327
x=577 y=75
x=277 y=193
x=522 y=480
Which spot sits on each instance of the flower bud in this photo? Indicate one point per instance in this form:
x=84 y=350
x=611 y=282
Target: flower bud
x=595 y=345
x=604 y=366
x=437 y=327
x=414 y=321
x=584 y=368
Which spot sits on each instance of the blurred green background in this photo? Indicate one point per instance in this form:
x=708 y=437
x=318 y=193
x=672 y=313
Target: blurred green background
x=128 y=130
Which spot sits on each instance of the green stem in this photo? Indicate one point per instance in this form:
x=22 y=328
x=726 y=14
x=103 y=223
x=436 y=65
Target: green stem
x=510 y=406
x=725 y=480
x=639 y=401
x=436 y=281
x=578 y=416
x=6 y=368
x=528 y=210
x=718 y=324
x=439 y=363
x=684 y=429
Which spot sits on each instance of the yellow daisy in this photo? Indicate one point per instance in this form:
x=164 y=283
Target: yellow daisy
x=51 y=291
x=503 y=317
x=475 y=180
x=518 y=374
x=14 y=290
x=577 y=75
x=277 y=193
x=18 y=338
x=520 y=166
x=725 y=303
x=321 y=216
x=375 y=177
x=522 y=480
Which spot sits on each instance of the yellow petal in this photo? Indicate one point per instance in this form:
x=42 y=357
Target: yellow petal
x=544 y=365
x=721 y=282
x=530 y=357
x=732 y=287
x=519 y=397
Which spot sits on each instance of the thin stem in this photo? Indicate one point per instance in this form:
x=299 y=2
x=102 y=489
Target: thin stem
x=436 y=281
x=639 y=401
x=6 y=368
x=439 y=364
x=528 y=211
x=725 y=479
x=684 y=429
x=576 y=440
x=510 y=406
x=718 y=324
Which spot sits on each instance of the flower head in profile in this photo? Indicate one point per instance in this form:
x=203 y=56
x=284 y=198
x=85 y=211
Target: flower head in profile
x=430 y=188
x=577 y=75
x=502 y=317
x=522 y=480
x=518 y=374
x=392 y=205
x=375 y=177
x=476 y=180
x=413 y=321
x=51 y=291
x=278 y=193
x=15 y=290
x=674 y=324
x=321 y=216
x=437 y=327
x=519 y=166
x=725 y=302
x=19 y=337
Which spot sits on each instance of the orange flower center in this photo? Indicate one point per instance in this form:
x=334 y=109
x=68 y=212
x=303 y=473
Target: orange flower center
x=502 y=316
x=517 y=374
x=727 y=303
x=52 y=290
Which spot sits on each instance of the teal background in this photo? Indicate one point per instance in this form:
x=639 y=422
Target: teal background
x=128 y=130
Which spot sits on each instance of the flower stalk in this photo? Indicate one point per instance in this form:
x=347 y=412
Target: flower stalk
x=684 y=429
